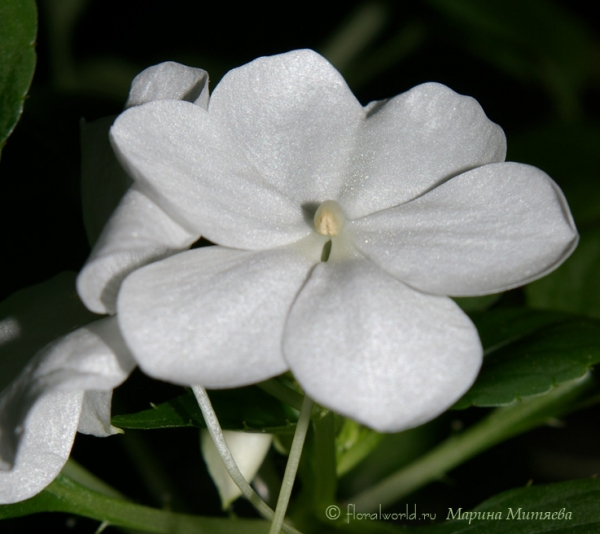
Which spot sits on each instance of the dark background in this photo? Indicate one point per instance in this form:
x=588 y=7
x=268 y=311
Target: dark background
x=534 y=66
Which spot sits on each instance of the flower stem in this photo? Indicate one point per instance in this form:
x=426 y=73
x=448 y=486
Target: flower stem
x=283 y=393
x=214 y=428
x=292 y=465
x=500 y=425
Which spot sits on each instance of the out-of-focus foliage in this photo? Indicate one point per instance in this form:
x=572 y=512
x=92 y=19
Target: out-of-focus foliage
x=18 y=29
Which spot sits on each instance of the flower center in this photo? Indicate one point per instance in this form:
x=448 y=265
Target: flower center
x=329 y=218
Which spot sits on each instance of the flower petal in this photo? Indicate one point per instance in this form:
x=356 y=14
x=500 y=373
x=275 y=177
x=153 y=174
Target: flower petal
x=185 y=162
x=96 y=413
x=248 y=451
x=33 y=317
x=294 y=118
x=212 y=316
x=45 y=441
x=169 y=81
x=367 y=346
x=487 y=230
x=40 y=409
x=415 y=141
x=138 y=233
x=104 y=181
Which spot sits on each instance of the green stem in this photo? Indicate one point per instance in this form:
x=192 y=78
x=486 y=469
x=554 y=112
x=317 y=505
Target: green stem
x=214 y=428
x=280 y=391
x=82 y=476
x=500 y=425
x=66 y=495
x=292 y=466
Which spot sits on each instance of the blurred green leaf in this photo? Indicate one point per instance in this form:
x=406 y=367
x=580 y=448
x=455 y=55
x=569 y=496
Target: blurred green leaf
x=245 y=409
x=66 y=495
x=578 y=498
x=575 y=286
x=530 y=352
x=535 y=40
x=475 y=304
x=18 y=29
x=354 y=442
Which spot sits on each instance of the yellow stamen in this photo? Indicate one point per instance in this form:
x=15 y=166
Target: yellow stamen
x=329 y=218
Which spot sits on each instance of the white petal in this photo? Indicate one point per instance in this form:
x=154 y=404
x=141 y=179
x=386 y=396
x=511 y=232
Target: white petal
x=104 y=181
x=294 y=118
x=487 y=230
x=32 y=317
x=248 y=451
x=45 y=439
x=169 y=81
x=41 y=391
x=185 y=162
x=93 y=357
x=412 y=142
x=365 y=345
x=212 y=316
x=95 y=414
x=138 y=233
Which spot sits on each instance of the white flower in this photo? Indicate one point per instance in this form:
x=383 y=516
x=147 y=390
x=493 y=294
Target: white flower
x=411 y=192
x=247 y=449
x=139 y=231
x=49 y=390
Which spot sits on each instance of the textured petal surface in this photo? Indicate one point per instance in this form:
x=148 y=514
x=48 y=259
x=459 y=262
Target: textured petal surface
x=367 y=346
x=186 y=163
x=487 y=230
x=248 y=451
x=169 y=81
x=412 y=142
x=35 y=316
x=45 y=441
x=95 y=414
x=212 y=316
x=39 y=411
x=138 y=233
x=294 y=119
x=104 y=181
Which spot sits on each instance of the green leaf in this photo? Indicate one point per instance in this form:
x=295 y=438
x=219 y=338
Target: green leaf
x=245 y=409
x=475 y=304
x=354 y=443
x=65 y=495
x=515 y=511
x=530 y=352
x=18 y=29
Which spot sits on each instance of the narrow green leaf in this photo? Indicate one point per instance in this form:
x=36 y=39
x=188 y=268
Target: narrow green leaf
x=353 y=443
x=530 y=352
x=245 y=409
x=65 y=495
x=18 y=29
